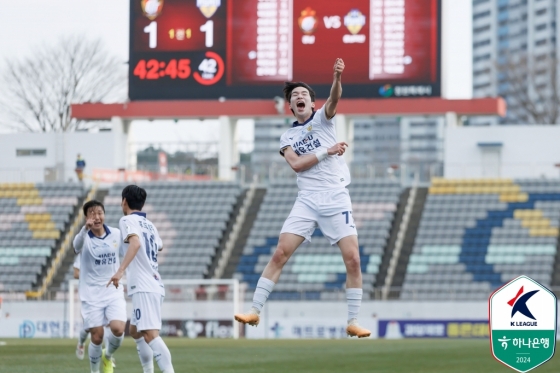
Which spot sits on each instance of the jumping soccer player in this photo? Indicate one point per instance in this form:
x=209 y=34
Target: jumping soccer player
x=311 y=150
x=144 y=285
x=98 y=245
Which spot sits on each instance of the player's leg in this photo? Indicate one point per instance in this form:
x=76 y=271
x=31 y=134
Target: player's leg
x=287 y=245
x=116 y=313
x=145 y=352
x=296 y=229
x=93 y=317
x=148 y=322
x=95 y=351
x=80 y=349
x=337 y=224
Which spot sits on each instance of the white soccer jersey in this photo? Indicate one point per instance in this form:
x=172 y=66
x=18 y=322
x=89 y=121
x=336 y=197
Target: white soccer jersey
x=142 y=273
x=307 y=138
x=98 y=263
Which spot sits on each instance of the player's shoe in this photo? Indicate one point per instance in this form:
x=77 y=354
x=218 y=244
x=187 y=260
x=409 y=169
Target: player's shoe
x=107 y=363
x=113 y=362
x=252 y=317
x=80 y=351
x=355 y=330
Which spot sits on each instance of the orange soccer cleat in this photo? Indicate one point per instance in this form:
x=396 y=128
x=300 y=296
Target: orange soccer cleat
x=355 y=330
x=251 y=317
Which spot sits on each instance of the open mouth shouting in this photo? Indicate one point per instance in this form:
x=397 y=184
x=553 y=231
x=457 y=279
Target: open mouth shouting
x=300 y=104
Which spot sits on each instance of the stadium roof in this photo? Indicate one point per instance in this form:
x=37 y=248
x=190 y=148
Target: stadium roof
x=266 y=108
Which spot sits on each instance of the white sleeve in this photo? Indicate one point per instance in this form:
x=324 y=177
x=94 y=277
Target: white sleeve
x=77 y=260
x=128 y=229
x=284 y=143
x=159 y=242
x=323 y=117
x=79 y=240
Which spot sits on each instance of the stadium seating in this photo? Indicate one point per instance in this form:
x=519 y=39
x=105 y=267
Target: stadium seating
x=475 y=235
x=32 y=218
x=191 y=218
x=316 y=271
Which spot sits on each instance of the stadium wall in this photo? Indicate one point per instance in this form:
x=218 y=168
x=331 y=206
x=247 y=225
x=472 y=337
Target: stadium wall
x=49 y=319
x=502 y=151
x=41 y=152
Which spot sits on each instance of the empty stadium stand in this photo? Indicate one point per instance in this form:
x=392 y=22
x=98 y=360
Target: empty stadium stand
x=475 y=235
x=316 y=271
x=33 y=217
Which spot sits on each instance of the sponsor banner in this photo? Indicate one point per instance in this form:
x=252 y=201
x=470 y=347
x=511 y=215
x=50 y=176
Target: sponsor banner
x=303 y=328
x=58 y=328
x=396 y=329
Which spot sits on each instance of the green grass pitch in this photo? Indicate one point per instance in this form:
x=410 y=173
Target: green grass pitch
x=252 y=356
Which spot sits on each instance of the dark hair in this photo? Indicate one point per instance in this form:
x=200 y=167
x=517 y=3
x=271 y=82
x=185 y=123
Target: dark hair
x=290 y=86
x=90 y=204
x=135 y=197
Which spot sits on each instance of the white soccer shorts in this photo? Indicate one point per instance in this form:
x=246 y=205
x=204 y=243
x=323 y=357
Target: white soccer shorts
x=330 y=211
x=146 y=311
x=102 y=313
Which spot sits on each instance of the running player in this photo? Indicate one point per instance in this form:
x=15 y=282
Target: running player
x=144 y=285
x=311 y=150
x=98 y=245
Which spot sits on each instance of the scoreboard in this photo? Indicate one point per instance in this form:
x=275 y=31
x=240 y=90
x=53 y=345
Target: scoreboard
x=208 y=49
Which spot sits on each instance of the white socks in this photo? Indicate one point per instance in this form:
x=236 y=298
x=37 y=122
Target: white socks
x=94 y=356
x=146 y=355
x=263 y=290
x=354 y=301
x=83 y=337
x=112 y=344
x=162 y=355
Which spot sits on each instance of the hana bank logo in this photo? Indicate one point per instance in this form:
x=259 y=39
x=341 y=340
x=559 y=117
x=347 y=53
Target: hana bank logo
x=519 y=304
x=308 y=22
x=151 y=8
x=387 y=90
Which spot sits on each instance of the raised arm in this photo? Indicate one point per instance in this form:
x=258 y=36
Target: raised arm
x=79 y=240
x=336 y=89
x=305 y=162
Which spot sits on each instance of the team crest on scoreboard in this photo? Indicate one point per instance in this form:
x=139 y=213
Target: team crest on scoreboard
x=354 y=21
x=308 y=21
x=208 y=7
x=152 y=8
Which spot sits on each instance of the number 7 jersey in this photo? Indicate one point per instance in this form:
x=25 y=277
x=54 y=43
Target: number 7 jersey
x=142 y=274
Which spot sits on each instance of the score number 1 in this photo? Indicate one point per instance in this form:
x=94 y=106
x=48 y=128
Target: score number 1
x=207 y=28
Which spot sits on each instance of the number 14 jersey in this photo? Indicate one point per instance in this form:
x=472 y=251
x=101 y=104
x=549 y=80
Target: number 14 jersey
x=142 y=273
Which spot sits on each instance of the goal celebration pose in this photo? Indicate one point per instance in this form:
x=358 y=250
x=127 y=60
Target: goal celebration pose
x=99 y=245
x=311 y=150
x=141 y=244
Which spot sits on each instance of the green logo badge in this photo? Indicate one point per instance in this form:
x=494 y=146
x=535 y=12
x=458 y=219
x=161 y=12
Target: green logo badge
x=523 y=324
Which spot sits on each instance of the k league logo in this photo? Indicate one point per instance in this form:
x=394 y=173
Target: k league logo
x=519 y=304
x=523 y=324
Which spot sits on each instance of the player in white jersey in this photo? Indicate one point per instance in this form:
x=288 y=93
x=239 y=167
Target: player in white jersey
x=141 y=244
x=312 y=151
x=99 y=246
x=80 y=347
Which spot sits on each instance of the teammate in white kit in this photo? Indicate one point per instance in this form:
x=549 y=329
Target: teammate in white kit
x=311 y=150
x=99 y=245
x=141 y=244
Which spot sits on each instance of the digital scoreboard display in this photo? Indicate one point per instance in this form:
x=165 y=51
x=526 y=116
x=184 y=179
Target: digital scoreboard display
x=207 y=49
